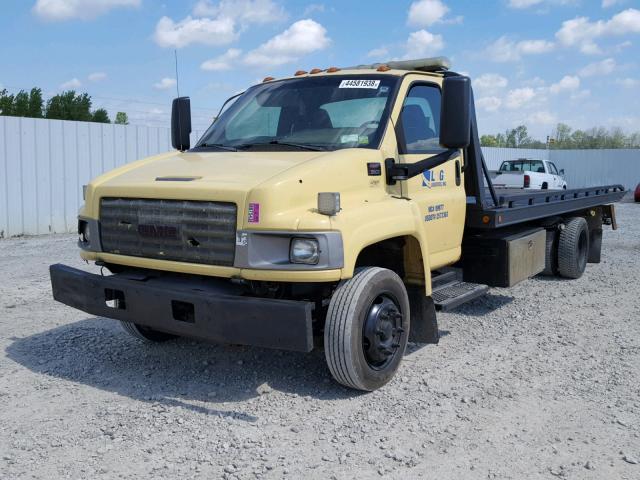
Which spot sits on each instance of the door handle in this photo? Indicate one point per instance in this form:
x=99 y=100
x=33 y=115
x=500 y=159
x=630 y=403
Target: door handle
x=458 y=177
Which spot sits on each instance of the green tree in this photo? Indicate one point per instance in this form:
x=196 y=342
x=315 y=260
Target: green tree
x=69 y=106
x=6 y=103
x=36 y=103
x=100 y=116
x=21 y=104
x=489 y=141
x=122 y=118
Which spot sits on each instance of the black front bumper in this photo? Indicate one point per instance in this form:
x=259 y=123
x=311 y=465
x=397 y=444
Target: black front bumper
x=211 y=310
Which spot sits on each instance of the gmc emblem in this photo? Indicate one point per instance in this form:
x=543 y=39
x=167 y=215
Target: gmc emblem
x=157 y=231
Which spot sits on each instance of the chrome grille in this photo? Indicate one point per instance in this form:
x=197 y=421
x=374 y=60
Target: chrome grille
x=180 y=230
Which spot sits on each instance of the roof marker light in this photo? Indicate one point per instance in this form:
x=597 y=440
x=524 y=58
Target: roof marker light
x=315 y=70
x=268 y=79
x=333 y=69
x=300 y=72
x=383 y=68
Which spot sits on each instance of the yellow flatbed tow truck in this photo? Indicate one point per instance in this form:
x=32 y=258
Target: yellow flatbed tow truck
x=337 y=208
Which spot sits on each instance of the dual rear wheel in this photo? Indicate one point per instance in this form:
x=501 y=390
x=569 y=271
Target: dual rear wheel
x=567 y=251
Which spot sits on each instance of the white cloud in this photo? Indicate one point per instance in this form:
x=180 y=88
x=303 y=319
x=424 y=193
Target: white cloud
x=205 y=31
x=313 y=8
x=60 y=10
x=71 y=84
x=490 y=104
x=378 y=53
x=628 y=82
x=424 y=13
x=245 y=11
x=542 y=118
x=222 y=62
x=582 y=33
x=423 y=44
x=490 y=82
x=97 y=76
x=603 y=67
x=165 y=84
x=301 y=38
x=507 y=50
x=519 y=97
x=581 y=95
x=523 y=4
x=568 y=83
x=611 y=3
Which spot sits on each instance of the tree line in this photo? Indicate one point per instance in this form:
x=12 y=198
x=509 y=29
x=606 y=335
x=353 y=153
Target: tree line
x=564 y=137
x=67 y=105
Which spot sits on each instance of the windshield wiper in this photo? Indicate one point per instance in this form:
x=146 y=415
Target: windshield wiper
x=228 y=148
x=313 y=148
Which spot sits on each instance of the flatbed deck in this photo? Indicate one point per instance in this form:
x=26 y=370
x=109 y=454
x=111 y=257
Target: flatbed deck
x=518 y=207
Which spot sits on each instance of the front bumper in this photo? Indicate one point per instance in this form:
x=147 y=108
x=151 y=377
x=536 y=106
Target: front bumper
x=212 y=310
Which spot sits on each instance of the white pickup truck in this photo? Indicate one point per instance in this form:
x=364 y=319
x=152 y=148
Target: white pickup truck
x=529 y=174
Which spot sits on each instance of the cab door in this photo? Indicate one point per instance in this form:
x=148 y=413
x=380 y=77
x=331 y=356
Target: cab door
x=438 y=193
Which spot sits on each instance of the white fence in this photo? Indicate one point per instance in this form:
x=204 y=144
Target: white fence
x=44 y=163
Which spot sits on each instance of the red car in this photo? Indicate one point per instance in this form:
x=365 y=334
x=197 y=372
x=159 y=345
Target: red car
x=636 y=195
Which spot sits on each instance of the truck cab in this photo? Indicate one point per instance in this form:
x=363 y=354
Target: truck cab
x=332 y=209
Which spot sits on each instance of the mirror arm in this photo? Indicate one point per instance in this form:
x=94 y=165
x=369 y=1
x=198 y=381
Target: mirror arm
x=405 y=171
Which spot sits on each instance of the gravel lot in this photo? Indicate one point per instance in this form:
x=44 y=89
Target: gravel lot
x=538 y=381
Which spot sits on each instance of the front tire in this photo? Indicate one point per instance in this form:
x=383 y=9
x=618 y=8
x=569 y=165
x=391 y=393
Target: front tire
x=145 y=334
x=367 y=329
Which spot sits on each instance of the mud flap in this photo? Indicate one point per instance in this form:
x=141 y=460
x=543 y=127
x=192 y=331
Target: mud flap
x=424 y=323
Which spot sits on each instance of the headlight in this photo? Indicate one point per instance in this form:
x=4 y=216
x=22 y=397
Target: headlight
x=304 y=250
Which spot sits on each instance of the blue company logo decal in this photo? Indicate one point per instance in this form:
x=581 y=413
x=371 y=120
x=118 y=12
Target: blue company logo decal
x=429 y=179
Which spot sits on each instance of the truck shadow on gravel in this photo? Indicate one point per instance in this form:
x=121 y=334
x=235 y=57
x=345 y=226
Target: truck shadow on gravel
x=197 y=376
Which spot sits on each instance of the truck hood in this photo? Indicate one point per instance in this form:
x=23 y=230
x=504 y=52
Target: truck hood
x=212 y=170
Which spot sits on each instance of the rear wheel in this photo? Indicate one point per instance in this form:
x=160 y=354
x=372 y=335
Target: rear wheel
x=145 y=334
x=551 y=254
x=573 y=248
x=367 y=329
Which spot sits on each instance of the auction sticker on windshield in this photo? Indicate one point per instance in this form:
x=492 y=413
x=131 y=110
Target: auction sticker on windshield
x=374 y=84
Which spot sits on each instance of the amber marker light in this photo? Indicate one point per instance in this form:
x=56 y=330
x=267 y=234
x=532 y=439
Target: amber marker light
x=268 y=79
x=333 y=70
x=384 y=68
x=315 y=70
x=300 y=72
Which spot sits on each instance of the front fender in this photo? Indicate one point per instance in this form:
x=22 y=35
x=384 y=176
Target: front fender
x=377 y=221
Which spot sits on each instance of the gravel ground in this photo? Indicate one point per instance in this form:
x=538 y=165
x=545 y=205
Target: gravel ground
x=539 y=381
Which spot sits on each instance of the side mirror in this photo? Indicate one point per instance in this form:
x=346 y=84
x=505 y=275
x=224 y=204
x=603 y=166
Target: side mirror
x=455 y=114
x=181 y=123
x=562 y=171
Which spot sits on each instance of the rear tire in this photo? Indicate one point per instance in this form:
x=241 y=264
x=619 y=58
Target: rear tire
x=551 y=254
x=573 y=248
x=367 y=329
x=145 y=334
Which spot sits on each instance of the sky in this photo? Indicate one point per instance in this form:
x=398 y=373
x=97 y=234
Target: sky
x=537 y=62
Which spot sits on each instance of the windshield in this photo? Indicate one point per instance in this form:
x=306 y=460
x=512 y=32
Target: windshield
x=321 y=113
x=522 y=166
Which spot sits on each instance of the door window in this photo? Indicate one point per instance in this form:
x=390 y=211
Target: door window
x=420 y=119
x=552 y=168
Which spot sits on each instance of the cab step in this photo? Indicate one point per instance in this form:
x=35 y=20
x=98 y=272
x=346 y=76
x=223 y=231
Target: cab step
x=452 y=294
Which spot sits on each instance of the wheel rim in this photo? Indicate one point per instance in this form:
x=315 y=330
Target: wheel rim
x=382 y=331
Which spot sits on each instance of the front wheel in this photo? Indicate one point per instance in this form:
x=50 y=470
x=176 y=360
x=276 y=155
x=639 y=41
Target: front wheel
x=367 y=329
x=145 y=334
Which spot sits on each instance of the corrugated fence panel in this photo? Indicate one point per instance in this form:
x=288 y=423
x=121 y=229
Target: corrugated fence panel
x=495 y=156
x=44 y=163
x=585 y=168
